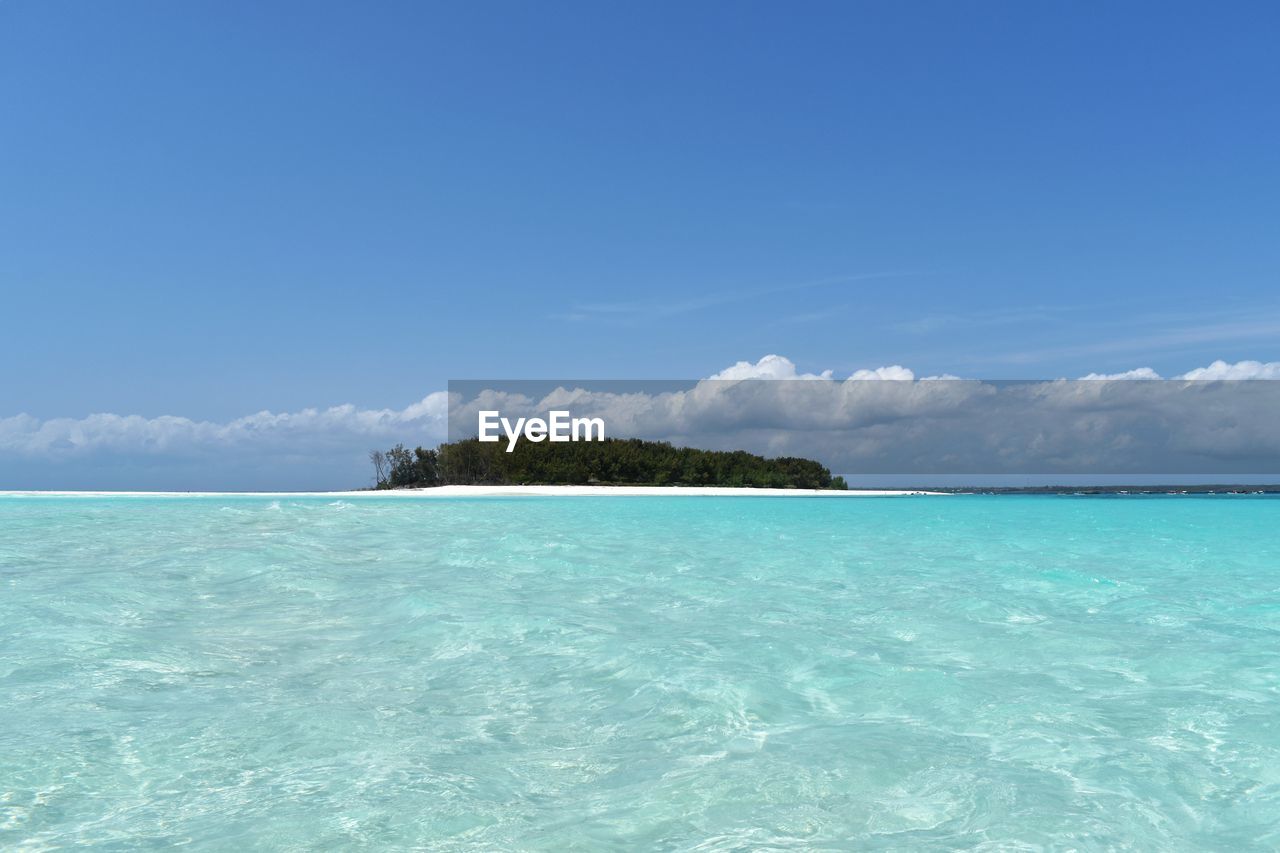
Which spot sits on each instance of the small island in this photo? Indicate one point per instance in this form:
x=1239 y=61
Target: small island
x=611 y=462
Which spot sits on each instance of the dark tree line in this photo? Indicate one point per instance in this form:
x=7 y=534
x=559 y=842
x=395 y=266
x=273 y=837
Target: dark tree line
x=629 y=462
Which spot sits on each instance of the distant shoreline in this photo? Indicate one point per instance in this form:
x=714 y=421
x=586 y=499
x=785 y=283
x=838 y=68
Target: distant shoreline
x=458 y=491
x=507 y=491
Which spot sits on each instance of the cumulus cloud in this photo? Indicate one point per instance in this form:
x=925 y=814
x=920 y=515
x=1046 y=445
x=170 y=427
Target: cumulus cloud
x=881 y=419
x=781 y=367
x=769 y=367
x=867 y=424
x=1239 y=370
x=264 y=431
x=1137 y=373
x=892 y=372
x=1219 y=370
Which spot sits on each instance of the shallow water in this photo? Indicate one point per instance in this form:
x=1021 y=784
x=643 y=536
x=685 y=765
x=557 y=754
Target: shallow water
x=640 y=673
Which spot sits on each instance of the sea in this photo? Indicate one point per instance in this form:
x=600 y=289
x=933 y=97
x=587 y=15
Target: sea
x=1009 y=672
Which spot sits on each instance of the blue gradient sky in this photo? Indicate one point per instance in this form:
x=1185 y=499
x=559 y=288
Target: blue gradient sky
x=213 y=208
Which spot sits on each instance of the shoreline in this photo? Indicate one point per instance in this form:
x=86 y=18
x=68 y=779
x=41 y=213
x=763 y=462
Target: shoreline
x=505 y=492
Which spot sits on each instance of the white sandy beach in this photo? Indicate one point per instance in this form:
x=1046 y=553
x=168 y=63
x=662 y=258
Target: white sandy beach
x=514 y=491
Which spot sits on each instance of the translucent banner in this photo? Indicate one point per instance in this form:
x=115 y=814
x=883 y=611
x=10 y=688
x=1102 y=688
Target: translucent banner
x=935 y=427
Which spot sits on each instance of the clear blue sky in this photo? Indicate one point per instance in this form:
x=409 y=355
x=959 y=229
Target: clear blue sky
x=212 y=208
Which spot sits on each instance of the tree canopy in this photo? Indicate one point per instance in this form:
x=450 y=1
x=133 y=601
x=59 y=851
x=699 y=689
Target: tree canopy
x=630 y=462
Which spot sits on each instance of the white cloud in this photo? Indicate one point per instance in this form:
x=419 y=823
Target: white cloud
x=852 y=423
x=866 y=424
x=1218 y=370
x=1239 y=370
x=781 y=367
x=1136 y=373
x=297 y=432
x=769 y=367
x=895 y=372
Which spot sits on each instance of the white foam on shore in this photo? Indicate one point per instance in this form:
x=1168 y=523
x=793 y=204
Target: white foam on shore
x=509 y=492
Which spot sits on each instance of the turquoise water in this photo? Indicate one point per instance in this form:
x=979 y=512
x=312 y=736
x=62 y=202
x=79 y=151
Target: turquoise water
x=640 y=673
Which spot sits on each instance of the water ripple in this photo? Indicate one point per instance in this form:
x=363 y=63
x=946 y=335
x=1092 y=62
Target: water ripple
x=710 y=674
